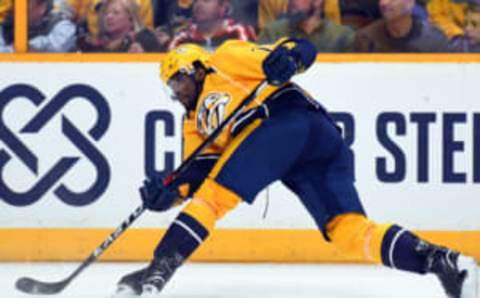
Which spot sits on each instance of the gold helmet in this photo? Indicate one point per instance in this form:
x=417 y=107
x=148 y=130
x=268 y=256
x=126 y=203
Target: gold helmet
x=181 y=59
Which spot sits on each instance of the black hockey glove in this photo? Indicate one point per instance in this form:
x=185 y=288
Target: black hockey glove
x=280 y=65
x=157 y=196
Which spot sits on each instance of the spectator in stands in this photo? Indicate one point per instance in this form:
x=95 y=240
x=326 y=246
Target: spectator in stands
x=4 y=46
x=6 y=26
x=173 y=13
x=120 y=30
x=176 y=14
x=305 y=20
x=472 y=27
x=400 y=31
x=271 y=10
x=5 y=9
x=85 y=14
x=359 y=13
x=245 y=11
x=49 y=31
x=353 y=13
x=470 y=41
x=211 y=26
x=63 y=6
x=171 y=16
x=448 y=15
x=164 y=36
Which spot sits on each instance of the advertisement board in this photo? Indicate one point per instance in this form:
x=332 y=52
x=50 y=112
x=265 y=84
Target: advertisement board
x=77 y=140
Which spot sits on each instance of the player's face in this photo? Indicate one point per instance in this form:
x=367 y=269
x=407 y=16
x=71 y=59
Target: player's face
x=117 y=19
x=184 y=90
x=393 y=9
x=472 y=27
x=208 y=10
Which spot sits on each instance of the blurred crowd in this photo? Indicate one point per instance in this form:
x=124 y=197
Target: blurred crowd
x=6 y=25
x=334 y=26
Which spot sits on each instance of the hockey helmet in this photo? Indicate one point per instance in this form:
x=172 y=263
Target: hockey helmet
x=182 y=59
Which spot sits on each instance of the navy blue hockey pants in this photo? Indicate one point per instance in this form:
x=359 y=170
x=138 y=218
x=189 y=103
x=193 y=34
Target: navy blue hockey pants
x=302 y=147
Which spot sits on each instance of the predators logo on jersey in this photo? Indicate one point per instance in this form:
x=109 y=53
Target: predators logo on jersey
x=212 y=111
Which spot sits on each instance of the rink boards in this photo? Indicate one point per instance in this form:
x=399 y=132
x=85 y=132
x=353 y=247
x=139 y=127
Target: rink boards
x=79 y=133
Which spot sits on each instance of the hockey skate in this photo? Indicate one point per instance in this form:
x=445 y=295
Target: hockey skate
x=130 y=286
x=457 y=273
x=158 y=274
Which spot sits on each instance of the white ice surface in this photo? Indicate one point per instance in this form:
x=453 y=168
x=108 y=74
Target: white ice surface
x=234 y=281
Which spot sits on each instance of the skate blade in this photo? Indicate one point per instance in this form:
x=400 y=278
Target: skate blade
x=150 y=291
x=124 y=291
x=470 y=287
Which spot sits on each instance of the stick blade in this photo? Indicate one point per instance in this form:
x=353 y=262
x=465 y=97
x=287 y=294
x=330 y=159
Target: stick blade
x=31 y=286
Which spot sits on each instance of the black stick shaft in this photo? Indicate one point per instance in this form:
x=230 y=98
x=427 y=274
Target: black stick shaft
x=213 y=136
x=107 y=242
x=36 y=287
x=139 y=211
x=185 y=164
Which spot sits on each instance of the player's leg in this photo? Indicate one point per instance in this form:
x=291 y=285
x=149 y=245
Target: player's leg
x=182 y=238
x=327 y=190
x=398 y=248
x=254 y=159
x=187 y=232
x=392 y=245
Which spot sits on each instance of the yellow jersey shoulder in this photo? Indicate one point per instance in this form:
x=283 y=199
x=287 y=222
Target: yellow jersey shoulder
x=237 y=70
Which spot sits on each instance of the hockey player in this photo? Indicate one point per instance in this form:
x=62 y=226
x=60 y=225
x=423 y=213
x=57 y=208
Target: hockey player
x=283 y=135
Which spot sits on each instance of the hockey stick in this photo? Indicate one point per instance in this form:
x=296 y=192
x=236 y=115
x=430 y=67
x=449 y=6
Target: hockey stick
x=33 y=286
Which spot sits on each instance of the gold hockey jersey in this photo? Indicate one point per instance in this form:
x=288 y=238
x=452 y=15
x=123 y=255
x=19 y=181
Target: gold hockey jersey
x=237 y=71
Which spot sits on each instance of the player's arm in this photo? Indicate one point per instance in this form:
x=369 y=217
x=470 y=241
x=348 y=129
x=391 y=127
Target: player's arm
x=287 y=58
x=234 y=52
x=157 y=196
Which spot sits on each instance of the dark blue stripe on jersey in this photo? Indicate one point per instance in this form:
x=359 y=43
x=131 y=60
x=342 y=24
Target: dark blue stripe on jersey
x=404 y=254
x=194 y=225
x=387 y=241
x=179 y=240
